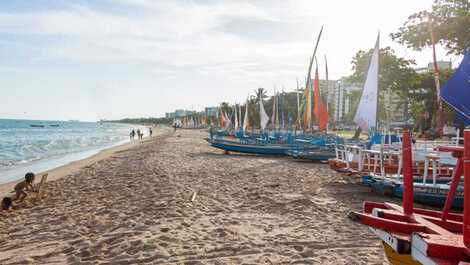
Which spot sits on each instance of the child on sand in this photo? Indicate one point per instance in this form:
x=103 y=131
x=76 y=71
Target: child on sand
x=25 y=185
x=6 y=203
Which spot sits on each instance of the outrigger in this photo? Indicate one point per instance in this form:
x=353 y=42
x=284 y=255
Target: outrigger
x=420 y=236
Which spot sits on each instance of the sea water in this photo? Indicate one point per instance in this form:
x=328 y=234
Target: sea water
x=29 y=145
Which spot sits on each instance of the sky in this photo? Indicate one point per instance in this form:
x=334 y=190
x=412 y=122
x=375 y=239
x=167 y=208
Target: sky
x=111 y=59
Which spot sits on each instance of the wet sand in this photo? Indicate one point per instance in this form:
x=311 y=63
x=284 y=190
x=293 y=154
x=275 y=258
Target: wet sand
x=176 y=200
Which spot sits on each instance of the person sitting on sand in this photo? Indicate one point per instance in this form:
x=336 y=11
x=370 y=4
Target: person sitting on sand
x=6 y=203
x=25 y=185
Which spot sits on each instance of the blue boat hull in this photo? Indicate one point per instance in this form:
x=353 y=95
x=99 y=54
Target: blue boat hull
x=318 y=155
x=276 y=150
x=429 y=195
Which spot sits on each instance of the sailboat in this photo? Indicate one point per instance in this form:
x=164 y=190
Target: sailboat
x=350 y=158
x=419 y=236
x=326 y=149
x=260 y=146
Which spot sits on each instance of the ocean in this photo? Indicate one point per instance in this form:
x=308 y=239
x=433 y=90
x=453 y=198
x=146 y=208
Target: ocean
x=31 y=145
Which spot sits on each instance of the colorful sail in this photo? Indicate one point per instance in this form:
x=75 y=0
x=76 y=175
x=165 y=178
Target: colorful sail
x=327 y=90
x=246 y=121
x=456 y=92
x=221 y=118
x=321 y=113
x=366 y=114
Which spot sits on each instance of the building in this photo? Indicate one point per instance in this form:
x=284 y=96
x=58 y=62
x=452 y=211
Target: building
x=345 y=99
x=211 y=111
x=441 y=65
x=179 y=113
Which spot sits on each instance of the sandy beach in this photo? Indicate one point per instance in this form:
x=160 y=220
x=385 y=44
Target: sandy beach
x=176 y=200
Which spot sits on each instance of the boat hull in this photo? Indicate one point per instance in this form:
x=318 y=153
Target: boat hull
x=275 y=150
x=425 y=194
x=320 y=155
x=396 y=258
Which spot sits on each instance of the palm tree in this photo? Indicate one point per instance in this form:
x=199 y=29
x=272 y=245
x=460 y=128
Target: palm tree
x=260 y=94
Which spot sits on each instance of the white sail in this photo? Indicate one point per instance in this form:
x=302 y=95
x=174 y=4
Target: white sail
x=264 y=118
x=240 y=115
x=366 y=114
x=273 y=116
x=236 y=116
x=246 y=121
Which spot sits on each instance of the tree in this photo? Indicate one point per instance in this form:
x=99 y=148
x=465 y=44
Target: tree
x=353 y=97
x=450 y=23
x=423 y=100
x=395 y=76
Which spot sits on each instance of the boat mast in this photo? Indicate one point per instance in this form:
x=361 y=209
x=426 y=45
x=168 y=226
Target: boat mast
x=308 y=81
x=378 y=87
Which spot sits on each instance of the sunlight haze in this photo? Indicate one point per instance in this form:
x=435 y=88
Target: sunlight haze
x=92 y=60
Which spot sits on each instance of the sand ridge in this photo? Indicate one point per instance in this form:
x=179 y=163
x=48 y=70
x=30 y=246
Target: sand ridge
x=176 y=200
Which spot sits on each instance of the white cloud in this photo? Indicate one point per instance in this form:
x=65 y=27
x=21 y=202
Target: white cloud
x=212 y=50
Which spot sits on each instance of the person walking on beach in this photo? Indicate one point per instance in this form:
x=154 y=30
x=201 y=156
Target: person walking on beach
x=138 y=133
x=132 y=134
x=150 y=132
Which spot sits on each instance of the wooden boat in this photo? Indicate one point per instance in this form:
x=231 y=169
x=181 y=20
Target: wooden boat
x=260 y=149
x=37 y=126
x=420 y=236
x=424 y=193
x=356 y=160
x=318 y=154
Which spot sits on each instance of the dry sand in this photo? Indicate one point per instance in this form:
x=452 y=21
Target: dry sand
x=176 y=200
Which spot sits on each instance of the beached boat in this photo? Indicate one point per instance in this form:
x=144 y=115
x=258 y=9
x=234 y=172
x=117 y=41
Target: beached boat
x=322 y=153
x=432 y=194
x=412 y=235
x=261 y=149
x=424 y=236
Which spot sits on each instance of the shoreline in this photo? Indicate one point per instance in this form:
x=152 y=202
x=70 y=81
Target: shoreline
x=74 y=166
